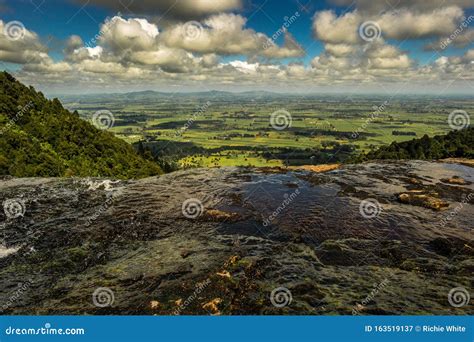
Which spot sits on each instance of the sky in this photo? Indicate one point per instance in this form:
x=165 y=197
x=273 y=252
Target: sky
x=337 y=46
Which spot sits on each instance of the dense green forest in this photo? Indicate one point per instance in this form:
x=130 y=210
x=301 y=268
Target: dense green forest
x=454 y=144
x=39 y=138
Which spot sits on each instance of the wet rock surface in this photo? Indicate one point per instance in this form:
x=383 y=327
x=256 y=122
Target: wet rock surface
x=240 y=241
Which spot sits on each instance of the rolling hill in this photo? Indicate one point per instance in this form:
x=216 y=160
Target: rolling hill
x=38 y=137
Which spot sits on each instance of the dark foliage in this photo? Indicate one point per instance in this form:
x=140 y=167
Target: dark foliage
x=456 y=144
x=38 y=137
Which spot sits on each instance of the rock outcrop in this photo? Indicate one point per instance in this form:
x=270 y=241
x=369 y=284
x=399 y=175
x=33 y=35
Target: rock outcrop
x=240 y=241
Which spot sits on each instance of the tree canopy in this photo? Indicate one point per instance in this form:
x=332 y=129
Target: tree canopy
x=40 y=138
x=455 y=144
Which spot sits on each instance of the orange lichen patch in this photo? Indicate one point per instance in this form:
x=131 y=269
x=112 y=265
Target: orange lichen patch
x=224 y=274
x=456 y=180
x=212 y=306
x=423 y=200
x=154 y=304
x=219 y=216
x=233 y=260
x=317 y=168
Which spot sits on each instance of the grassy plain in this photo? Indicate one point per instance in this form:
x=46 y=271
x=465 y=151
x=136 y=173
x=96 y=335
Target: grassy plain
x=235 y=129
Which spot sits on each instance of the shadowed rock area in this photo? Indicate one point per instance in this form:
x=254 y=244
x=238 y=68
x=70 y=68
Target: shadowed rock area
x=375 y=238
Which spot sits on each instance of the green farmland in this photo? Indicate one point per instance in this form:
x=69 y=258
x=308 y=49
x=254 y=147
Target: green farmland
x=224 y=129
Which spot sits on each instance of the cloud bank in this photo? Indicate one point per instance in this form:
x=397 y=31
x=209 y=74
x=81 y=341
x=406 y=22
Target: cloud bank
x=216 y=48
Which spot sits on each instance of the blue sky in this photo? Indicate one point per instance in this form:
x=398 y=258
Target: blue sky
x=61 y=19
x=54 y=22
x=69 y=19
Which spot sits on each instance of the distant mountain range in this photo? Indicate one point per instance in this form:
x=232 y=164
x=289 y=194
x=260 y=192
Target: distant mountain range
x=249 y=95
x=153 y=95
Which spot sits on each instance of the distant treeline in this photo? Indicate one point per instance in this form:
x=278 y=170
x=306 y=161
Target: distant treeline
x=168 y=153
x=402 y=133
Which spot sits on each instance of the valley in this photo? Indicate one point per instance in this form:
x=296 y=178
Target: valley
x=216 y=129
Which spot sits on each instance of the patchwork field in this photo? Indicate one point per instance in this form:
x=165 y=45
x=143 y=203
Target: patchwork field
x=265 y=129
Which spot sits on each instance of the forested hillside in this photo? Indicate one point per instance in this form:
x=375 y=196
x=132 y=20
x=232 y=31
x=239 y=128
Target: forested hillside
x=454 y=144
x=38 y=137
